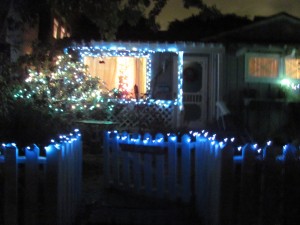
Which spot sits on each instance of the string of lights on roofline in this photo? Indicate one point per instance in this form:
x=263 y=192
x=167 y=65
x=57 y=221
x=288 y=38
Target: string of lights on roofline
x=122 y=51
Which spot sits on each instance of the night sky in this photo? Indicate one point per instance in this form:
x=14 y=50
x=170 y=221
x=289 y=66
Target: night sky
x=250 y=8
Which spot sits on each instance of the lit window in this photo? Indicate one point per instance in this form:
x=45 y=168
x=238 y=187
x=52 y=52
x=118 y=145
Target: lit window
x=292 y=68
x=263 y=67
x=62 y=32
x=126 y=74
x=55 y=28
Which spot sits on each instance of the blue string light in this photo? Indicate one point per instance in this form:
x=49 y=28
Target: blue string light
x=119 y=50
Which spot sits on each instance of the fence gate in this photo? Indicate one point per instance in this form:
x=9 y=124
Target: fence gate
x=194 y=91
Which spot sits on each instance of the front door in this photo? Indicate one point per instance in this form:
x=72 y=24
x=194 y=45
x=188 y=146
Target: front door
x=194 y=91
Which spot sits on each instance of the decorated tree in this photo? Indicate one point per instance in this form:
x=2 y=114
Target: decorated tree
x=65 y=87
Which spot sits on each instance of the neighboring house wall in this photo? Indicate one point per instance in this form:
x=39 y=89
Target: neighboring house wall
x=261 y=75
x=21 y=36
x=261 y=87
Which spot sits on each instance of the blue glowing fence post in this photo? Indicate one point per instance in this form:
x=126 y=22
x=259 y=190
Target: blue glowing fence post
x=202 y=175
x=66 y=186
x=148 y=170
x=291 y=193
x=78 y=170
x=62 y=183
x=186 y=168
x=250 y=186
x=31 y=209
x=11 y=185
x=227 y=186
x=114 y=159
x=106 y=156
x=51 y=185
x=172 y=166
x=160 y=170
x=214 y=183
x=136 y=167
x=126 y=163
x=271 y=206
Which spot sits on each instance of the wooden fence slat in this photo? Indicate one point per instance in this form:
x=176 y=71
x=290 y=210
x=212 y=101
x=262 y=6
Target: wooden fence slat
x=213 y=194
x=148 y=174
x=10 y=185
x=253 y=188
x=148 y=169
x=159 y=175
x=136 y=172
x=160 y=171
x=106 y=158
x=249 y=198
x=51 y=185
x=201 y=182
x=172 y=166
x=115 y=160
x=62 y=184
x=271 y=207
x=227 y=186
x=186 y=168
x=31 y=186
x=291 y=195
x=47 y=190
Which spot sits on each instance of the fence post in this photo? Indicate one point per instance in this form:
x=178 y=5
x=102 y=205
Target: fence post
x=51 y=187
x=137 y=178
x=160 y=170
x=11 y=185
x=106 y=158
x=148 y=168
x=77 y=173
x=214 y=177
x=172 y=166
x=201 y=171
x=250 y=184
x=186 y=168
x=126 y=163
x=31 y=188
x=114 y=160
x=271 y=186
x=227 y=185
x=291 y=210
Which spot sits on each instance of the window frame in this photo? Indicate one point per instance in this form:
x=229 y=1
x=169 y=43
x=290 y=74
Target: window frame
x=250 y=78
x=284 y=69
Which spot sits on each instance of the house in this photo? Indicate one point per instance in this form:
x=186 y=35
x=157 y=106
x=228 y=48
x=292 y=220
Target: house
x=166 y=85
x=21 y=34
x=261 y=76
x=254 y=70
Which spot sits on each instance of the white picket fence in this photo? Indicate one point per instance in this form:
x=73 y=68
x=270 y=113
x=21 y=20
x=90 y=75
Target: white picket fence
x=258 y=186
x=41 y=188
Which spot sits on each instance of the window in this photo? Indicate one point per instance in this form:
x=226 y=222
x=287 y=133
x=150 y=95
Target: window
x=127 y=74
x=62 y=32
x=262 y=67
x=55 y=28
x=292 y=68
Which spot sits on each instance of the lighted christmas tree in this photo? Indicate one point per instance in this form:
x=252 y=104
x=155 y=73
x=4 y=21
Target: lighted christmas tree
x=123 y=79
x=65 y=87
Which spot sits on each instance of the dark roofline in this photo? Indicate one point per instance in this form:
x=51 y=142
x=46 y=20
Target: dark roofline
x=259 y=22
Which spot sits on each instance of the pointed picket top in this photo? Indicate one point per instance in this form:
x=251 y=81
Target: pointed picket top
x=289 y=152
